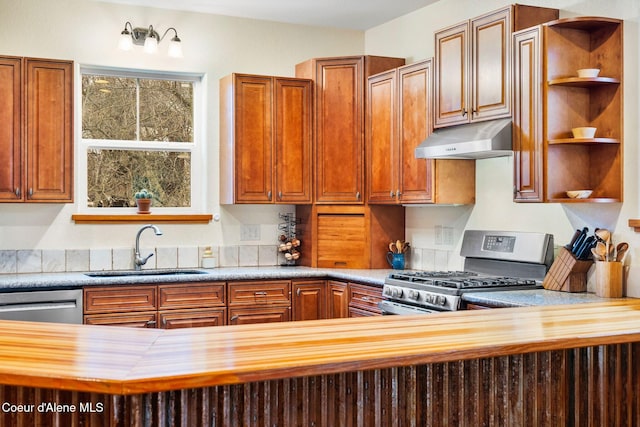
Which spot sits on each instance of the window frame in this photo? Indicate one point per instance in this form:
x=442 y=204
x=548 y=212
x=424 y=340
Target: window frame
x=197 y=148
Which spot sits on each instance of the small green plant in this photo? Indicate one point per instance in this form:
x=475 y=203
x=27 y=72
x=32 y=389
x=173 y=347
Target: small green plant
x=144 y=194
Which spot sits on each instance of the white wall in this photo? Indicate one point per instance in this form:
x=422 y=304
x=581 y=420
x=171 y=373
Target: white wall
x=412 y=36
x=87 y=32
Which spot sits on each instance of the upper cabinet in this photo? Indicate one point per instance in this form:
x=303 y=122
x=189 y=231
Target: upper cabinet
x=339 y=123
x=473 y=64
x=36 y=138
x=265 y=140
x=398 y=119
x=551 y=100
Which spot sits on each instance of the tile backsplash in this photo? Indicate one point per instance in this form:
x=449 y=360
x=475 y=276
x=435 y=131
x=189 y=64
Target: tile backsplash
x=72 y=260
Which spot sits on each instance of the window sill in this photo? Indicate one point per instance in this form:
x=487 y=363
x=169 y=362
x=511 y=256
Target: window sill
x=156 y=218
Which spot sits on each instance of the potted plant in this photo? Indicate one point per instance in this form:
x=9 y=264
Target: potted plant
x=143 y=201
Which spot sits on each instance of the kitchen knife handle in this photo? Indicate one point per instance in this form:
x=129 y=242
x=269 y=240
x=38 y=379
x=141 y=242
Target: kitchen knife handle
x=573 y=239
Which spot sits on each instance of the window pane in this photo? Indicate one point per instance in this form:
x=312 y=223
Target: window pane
x=108 y=108
x=166 y=111
x=115 y=175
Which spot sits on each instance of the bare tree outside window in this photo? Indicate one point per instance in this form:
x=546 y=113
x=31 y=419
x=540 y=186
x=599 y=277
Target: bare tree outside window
x=132 y=112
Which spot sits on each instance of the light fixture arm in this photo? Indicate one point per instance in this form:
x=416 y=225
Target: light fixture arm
x=175 y=38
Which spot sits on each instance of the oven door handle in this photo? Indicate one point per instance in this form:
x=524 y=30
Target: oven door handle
x=394 y=308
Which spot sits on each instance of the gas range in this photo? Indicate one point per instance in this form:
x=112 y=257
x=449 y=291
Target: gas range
x=494 y=261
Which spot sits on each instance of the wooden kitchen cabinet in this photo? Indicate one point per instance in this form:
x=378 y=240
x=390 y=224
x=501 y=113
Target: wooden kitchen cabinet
x=348 y=236
x=550 y=100
x=364 y=299
x=398 y=119
x=167 y=306
x=309 y=299
x=36 y=138
x=340 y=85
x=337 y=299
x=259 y=302
x=473 y=64
x=265 y=139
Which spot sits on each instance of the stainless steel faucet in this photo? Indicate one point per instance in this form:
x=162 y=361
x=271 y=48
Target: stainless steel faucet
x=138 y=260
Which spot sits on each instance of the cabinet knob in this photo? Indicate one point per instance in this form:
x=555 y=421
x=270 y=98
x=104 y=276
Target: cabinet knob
x=269 y=195
x=391 y=194
x=18 y=192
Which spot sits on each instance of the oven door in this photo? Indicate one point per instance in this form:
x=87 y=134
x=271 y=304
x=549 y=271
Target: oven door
x=396 y=308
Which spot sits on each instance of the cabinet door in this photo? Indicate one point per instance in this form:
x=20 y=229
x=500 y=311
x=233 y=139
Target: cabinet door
x=381 y=138
x=309 y=300
x=527 y=117
x=491 y=65
x=175 y=319
x=337 y=300
x=415 y=96
x=263 y=314
x=49 y=130
x=339 y=130
x=11 y=129
x=343 y=240
x=253 y=139
x=131 y=320
x=452 y=71
x=293 y=137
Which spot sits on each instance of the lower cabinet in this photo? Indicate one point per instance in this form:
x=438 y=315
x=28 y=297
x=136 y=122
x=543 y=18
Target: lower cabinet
x=259 y=302
x=363 y=300
x=156 y=306
x=189 y=305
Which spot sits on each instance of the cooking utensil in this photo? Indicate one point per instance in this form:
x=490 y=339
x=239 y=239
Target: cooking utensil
x=601 y=251
x=596 y=255
x=392 y=247
x=583 y=251
x=573 y=239
x=602 y=234
x=399 y=246
x=621 y=250
x=579 y=240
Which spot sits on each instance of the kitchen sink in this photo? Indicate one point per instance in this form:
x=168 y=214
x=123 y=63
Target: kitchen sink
x=150 y=272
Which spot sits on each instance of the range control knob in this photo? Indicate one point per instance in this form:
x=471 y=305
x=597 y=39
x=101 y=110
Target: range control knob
x=396 y=293
x=387 y=291
x=441 y=300
x=414 y=295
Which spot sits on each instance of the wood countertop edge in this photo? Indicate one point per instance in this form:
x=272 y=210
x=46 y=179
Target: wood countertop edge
x=349 y=345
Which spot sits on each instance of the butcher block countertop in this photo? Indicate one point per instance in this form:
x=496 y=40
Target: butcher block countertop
x=116 y=360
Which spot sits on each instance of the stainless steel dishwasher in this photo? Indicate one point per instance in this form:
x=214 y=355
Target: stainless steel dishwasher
x=56 y=306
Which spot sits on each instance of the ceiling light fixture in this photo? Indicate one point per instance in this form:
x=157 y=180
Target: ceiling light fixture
x=149 y=38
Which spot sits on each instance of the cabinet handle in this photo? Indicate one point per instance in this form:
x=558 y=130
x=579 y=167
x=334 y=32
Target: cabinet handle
x=464 y=112
x=269 y=195
x=398 y=193
x=233 y=318
x=391 y=194
x=279 y=195
x=31 y=192
x=260 y=293
x=358 y=195
x=151 y=323
x=18 y=192
x=298 y=292
x=365 y=298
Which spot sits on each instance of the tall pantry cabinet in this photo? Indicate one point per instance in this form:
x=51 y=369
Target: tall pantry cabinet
x=36 y=136
x=551 y=99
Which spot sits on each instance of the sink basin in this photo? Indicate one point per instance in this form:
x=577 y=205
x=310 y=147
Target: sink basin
x=155 y=272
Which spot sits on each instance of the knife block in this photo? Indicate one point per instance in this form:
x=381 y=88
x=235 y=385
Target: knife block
x=567 y=274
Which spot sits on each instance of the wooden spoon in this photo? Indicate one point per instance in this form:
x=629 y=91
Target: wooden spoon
x=621 y=250
x=596 y=255
x=602 y=234
x=600 y=251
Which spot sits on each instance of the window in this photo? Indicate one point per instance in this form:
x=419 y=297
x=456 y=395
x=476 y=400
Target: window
x=140 y=130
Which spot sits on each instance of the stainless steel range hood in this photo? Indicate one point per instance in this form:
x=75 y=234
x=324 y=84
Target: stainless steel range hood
x=472 y=141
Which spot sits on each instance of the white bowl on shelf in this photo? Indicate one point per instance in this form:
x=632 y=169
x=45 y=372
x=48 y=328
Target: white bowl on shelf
x=583 y=132
x=579 y=194
x=588 y=72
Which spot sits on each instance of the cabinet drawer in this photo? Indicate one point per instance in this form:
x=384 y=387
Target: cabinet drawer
x=365 y=297
x=191 y=295
x=175 y=319
x=259 y=293
x=124 y=299
x=131 y=320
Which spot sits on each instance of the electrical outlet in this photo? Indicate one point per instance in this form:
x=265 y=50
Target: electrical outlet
x=447 y=235
x=249 y=232
x=438 y=234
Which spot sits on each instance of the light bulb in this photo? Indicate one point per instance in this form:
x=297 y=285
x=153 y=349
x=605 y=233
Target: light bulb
x=175 y=48
x=150 y=45
x=125 y=42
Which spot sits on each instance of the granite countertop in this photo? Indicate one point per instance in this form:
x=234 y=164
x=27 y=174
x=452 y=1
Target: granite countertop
x=70 y=280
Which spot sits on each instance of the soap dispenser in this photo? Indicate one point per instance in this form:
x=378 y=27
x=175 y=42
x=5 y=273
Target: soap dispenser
x=208 y=259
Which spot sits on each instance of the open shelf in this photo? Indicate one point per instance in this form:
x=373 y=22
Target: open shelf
x=584 y=141
x=583 y=81
x=587 y=200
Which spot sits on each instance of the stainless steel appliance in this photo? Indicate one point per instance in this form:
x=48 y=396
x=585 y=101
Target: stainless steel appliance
x=58 y=306
x=494 y=261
